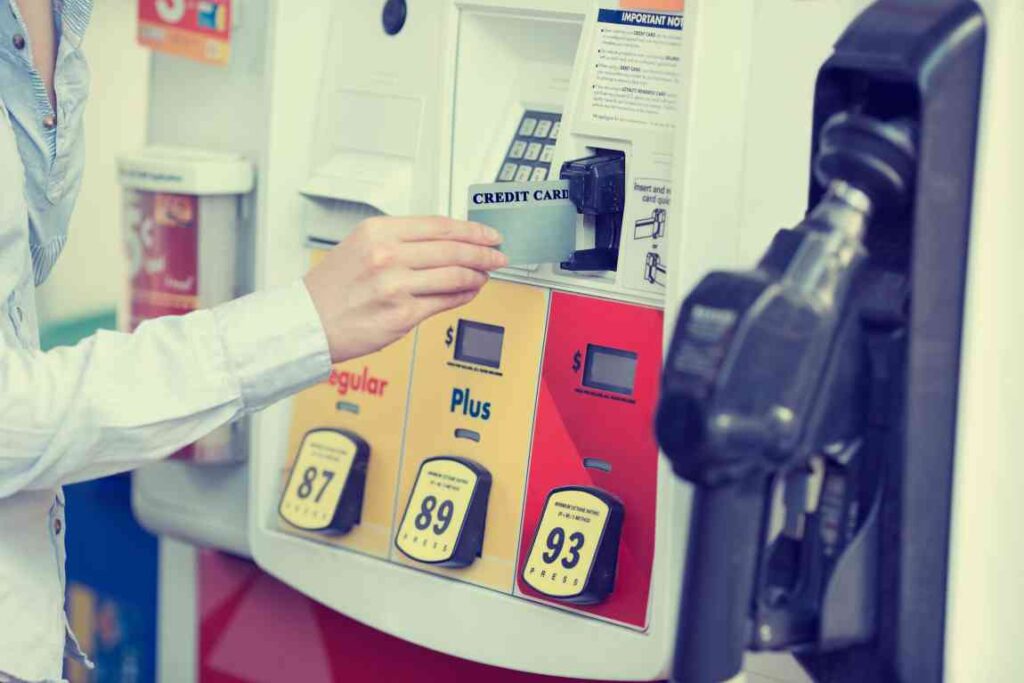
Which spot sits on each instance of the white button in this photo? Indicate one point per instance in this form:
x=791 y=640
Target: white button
x=540 y=173
x=548 y=154
x=523 y=175
x=508 y=172
x=555 y=129
x=543 y=128
x=518 y=147
x=528 y=126
x=533 y=151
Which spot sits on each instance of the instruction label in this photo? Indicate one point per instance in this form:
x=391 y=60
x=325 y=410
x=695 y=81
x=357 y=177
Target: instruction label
x=645 y=226
x=635 y=69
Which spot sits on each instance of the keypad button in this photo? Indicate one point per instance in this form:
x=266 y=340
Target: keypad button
x=539 y=174
x=543 y=129
x=555 y=130
x=524 y=174
x=518 y=149
x=508 y=172
x=533 y=151
x=548 y=154
x=527 y=127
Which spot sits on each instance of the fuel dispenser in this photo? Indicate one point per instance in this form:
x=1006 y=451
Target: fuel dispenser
x=812 y=400
x=513 y=481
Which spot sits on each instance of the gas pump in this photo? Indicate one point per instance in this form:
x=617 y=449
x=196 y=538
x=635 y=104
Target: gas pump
x=498 y=464
x=812 y=400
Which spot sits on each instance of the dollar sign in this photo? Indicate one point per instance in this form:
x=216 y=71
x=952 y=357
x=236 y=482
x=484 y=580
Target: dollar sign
x=576 y=362
x=449 y=336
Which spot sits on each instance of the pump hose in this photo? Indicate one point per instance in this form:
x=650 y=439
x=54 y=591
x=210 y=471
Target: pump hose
x=718 y=586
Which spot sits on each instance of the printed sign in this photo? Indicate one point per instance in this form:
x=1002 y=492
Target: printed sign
x=163 y=251
x=645 y=226
x=635 y=69
x=536 y=220
x=194 y=29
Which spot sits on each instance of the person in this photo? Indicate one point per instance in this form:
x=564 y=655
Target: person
x=116 y=401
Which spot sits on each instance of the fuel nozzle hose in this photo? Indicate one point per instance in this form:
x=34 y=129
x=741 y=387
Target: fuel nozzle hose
x=743 y=373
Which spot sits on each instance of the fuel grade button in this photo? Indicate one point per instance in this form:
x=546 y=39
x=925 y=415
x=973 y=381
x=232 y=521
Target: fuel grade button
x=575 y=551
x=325 y=488
x=445 y=517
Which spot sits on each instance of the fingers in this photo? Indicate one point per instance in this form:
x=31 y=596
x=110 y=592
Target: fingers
x=440 y=228
x=448 y=280
x=439 y=254
x=427 y=306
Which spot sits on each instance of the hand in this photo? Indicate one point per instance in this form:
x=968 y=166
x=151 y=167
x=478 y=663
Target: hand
x=392 y=273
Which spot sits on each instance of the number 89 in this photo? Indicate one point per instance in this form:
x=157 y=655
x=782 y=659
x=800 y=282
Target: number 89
x=444 y=515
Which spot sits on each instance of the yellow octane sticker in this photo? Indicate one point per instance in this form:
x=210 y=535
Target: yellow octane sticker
x=569 y=533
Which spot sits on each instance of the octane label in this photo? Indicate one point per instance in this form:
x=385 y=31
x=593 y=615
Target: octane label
x=436 y=512
x=563 y=551
x=318 y=479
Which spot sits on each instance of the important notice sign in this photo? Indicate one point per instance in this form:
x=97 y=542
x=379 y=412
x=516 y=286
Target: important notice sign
x=195 y=29
x=635 y=69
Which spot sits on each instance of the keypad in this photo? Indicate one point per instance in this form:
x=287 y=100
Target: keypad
x=532 y=149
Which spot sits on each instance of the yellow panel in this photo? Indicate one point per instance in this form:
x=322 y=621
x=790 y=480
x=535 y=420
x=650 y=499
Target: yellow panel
x=376 y=386
x=567 y=539
x=495 y=404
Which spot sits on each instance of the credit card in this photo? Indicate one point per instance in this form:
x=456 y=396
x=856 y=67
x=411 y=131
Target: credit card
x=536 y=220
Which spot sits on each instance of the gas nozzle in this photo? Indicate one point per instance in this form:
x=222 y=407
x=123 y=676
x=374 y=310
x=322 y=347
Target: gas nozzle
x=746 y=371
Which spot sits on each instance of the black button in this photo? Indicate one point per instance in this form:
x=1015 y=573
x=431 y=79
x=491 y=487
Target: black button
x=57 y=526
x=394 y=16
x=49 y=122
x=19 y=41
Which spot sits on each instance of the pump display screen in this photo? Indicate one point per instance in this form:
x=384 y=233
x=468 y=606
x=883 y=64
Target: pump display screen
x=610 y=369
x=479 y=343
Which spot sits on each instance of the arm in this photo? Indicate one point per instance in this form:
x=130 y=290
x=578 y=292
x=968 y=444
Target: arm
x=116 y=401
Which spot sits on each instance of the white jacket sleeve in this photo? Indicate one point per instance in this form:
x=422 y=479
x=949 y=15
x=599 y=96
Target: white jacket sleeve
x=116 y=401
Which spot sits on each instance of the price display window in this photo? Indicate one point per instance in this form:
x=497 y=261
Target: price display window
x=610 y=369
x=479 y=343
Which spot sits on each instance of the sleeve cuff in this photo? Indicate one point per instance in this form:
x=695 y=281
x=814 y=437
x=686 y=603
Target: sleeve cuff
x=274 y=342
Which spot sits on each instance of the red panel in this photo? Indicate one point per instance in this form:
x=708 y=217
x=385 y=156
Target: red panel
x=574 y=422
